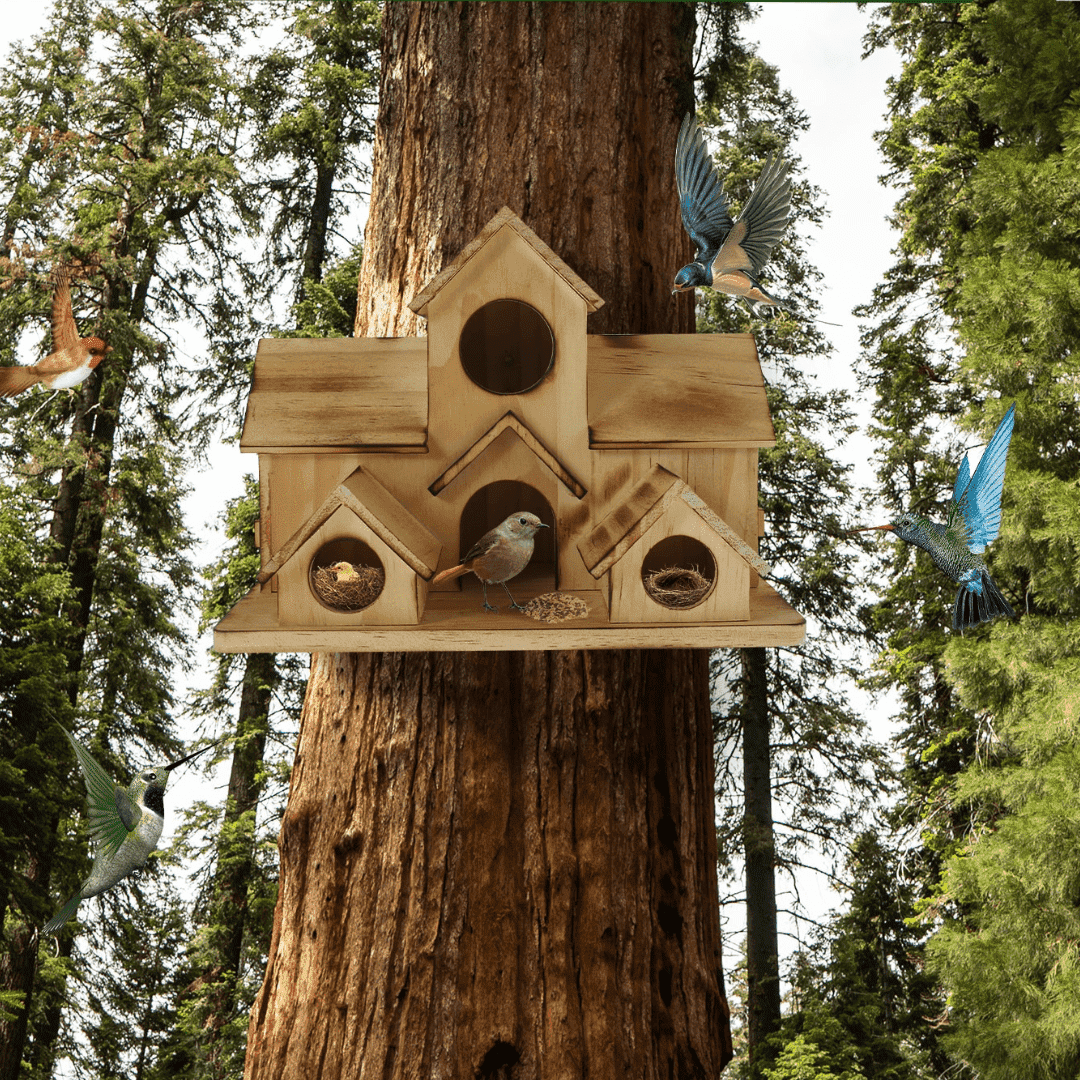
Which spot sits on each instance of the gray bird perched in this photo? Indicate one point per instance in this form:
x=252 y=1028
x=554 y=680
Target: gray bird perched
x=499 y=555
x=729 y=254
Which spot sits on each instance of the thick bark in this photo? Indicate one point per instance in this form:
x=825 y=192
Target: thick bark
x=498 y=857
x=504 y=864
x=566 y=113
x=762 y=964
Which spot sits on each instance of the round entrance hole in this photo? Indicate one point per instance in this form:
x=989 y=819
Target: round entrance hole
x=679 y=572
x=506 y=347
x=342 y=587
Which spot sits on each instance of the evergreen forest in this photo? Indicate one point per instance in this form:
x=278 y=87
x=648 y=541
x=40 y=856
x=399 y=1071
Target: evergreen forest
x=201 y=168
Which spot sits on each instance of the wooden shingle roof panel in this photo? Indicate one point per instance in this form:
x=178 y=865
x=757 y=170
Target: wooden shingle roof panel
x=326 y=393
x=676 y=390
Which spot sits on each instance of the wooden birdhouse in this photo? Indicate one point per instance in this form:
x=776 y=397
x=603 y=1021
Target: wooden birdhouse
x=396 y=455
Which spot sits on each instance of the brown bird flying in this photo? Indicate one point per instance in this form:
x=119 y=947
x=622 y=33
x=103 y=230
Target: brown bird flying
x=72 y=358
x=499 y=555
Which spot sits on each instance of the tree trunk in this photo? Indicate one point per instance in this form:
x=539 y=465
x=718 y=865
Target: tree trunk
x=566 y=113
x=236 y=844
x=762 y=964
x=492 y=859
x=504 y=864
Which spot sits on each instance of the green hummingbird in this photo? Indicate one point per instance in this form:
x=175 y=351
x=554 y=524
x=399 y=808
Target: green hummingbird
x=974 y=519
x=125 y=825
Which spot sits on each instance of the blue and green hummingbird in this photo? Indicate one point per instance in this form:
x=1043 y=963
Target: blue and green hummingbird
x=973 y=522
x=125 y=824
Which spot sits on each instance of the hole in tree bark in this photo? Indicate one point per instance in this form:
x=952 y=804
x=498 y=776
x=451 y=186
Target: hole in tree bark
x=664 y=985
x=666 y=832
x=502 y=1055
x=671 y=922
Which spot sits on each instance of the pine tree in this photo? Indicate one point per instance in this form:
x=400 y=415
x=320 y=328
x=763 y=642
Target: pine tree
x=782 y=708
x=986 y=142
x=308 y=100
x=119 y=152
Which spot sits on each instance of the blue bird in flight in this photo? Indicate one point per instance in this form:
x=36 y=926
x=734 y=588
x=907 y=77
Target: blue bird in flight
x=729 y=254
x=973 y=522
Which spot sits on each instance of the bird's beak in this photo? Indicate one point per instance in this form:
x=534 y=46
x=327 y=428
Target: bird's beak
x=869 y=528
x=543 y=526
x=194 y=753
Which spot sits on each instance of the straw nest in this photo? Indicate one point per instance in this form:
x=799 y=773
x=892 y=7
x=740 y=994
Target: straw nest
x=345 y=587
x=556 y=607
x=677 y=586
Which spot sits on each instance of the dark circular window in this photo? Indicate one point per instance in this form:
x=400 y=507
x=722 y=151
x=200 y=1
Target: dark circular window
x=506 y=347
x=679 y=572
x=346 y=575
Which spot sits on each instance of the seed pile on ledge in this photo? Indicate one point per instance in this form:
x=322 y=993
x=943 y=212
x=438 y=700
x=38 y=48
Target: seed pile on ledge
x=556 y=607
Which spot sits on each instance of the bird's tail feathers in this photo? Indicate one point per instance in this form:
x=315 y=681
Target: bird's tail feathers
x=453 y=572
x=61 y=916
x=757 y=308
x=972 y=608
x=14 y=380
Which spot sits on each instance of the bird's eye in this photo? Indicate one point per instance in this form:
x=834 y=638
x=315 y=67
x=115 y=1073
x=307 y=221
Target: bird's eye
x=522 y=521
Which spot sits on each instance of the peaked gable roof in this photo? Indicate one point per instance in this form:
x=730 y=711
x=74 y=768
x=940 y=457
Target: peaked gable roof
x=527 y=436
x=361 y=493
x=505 y=218
x=646 y=502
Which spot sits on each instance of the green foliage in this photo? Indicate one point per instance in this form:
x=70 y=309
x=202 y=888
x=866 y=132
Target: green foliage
x=328 y=306
x=818 y=743
x=818 y=1054
x=984 y=140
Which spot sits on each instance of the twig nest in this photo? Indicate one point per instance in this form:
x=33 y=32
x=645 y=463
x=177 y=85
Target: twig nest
x=345 y=587
x=677 y=586
x=556 y=607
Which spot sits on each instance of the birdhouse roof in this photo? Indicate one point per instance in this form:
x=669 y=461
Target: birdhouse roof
x=509 y=422
x=643 y=505
x=361 y=493
x=676 y=390
x=321 y=393
x=505 y=218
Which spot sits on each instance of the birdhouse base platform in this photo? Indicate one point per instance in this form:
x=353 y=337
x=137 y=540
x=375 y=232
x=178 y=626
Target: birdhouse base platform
x=455 y=622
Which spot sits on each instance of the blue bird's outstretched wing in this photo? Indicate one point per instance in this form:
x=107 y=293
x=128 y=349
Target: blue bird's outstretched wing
x=980 y=502
x=701 y=193
x=112 y=813
x=761 y=223
x=962 y=478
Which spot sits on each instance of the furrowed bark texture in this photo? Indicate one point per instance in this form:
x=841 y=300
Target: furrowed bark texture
x=504 y=864
x=494 y=860
x=566 y=113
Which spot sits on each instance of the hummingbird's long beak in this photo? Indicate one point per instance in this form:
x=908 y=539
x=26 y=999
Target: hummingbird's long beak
x=869 y=528
x=193 y=754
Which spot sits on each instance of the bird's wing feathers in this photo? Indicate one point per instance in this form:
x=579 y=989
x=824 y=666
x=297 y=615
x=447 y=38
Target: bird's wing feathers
x=763 y=218
x=65 y=336
x=962 y=478
x=980 y=503
x=701 y=193
x=108 y=823
x=482 y=546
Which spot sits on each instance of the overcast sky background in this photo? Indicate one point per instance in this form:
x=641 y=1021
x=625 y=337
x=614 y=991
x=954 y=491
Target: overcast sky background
x=817 y=49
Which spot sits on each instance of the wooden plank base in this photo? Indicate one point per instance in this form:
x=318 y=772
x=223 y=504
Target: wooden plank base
x=455 y=622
